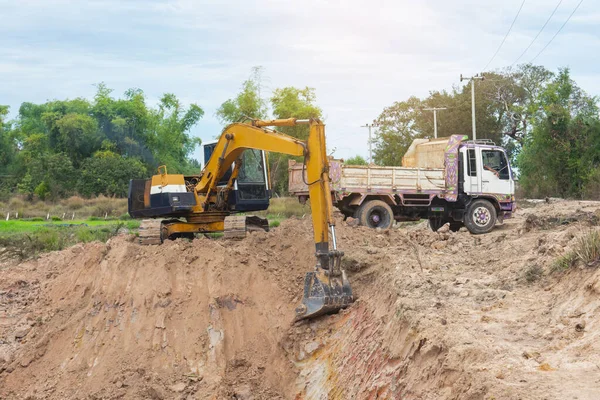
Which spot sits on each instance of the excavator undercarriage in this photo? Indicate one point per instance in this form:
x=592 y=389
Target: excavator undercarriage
x=156 y=231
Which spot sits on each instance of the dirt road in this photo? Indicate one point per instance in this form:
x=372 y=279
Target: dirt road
x=439 y=316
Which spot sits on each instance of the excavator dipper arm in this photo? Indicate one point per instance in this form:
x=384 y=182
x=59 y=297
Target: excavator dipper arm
x=326 y=289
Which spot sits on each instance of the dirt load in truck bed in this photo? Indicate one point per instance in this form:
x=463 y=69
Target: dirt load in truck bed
x=439 y=316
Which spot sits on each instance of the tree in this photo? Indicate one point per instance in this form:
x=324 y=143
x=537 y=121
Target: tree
x=356 y=160
x=49 y=145
x=247 y=104
x=396 y=131
x=49 y=176
x=558 y=158
x=168 y=137
x=7 y=149
x=290 y=102
x=505 y=107
x=78 y=136
x=108 y=173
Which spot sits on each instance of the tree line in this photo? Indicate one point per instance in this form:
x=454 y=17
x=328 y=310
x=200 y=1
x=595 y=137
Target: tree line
x=59 y=148
x=65 y=147
x=549 y=125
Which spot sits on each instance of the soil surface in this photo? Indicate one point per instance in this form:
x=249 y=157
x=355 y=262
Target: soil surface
x=438 y=316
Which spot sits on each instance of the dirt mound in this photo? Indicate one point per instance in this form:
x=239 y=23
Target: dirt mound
x=122 y=319
x=439 y=316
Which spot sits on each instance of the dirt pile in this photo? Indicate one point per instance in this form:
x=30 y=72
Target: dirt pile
x=439 y=316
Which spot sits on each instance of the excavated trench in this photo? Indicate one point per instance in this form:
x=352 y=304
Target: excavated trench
x=439 y=316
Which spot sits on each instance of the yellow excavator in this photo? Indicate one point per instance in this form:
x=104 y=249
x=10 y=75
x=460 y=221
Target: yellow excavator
x=234 y=180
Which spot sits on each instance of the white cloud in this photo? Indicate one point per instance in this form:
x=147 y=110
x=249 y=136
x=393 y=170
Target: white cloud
x=360 y=56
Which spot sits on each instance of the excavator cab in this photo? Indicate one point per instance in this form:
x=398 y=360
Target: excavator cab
x=251 y=191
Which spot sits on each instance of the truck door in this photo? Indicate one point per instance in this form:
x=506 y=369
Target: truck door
x=495 y=172
x=471 y=172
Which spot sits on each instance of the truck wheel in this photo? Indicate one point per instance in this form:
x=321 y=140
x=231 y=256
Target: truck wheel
x=376 y=214
x=480 y=217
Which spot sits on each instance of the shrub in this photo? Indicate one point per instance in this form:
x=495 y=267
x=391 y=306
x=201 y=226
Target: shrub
x=109 y=175
x=564 y=262
x=16 y=203
x=74 y=202
x=587 y=248
x=533 y=273
x=287 y=207
x=132 y=224
x=54 y=218
x=586 y=251
x=35 y=219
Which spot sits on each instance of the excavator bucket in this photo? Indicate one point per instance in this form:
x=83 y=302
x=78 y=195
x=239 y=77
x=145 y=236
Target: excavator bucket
x=324 y=294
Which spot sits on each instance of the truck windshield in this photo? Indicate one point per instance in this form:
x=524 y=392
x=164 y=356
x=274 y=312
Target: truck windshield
x=495 y=161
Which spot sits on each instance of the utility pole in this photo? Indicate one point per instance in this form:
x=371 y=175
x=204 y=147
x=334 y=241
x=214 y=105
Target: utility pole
x=472 y=79
x=434 y=109
x=369 y=126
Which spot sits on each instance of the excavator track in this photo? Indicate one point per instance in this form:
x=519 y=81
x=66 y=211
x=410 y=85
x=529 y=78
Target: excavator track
x=150 y=232
x=237 y=226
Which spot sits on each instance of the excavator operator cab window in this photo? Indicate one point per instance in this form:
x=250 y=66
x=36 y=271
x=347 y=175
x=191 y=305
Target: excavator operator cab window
x=252 y=169
x=251 y=191
x=251 y=182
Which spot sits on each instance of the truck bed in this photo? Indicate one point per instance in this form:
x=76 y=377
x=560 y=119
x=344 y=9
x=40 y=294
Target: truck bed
x=353 y=178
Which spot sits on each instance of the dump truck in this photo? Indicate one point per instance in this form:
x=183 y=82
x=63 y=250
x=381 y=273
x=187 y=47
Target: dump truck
x=445 y=180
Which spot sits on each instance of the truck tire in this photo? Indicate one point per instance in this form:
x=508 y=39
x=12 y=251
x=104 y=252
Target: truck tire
x=480 y=217
x=376 y=214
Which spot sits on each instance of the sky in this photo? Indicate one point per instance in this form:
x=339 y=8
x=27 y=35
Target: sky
x=360 y=56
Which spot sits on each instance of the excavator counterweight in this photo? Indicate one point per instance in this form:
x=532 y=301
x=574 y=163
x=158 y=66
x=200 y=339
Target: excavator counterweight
x=209 y=202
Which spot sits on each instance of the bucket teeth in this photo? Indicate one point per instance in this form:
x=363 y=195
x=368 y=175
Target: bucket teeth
x=324 y=294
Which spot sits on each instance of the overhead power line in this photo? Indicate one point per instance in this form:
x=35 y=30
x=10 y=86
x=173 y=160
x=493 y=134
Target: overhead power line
x=505 y=36
x=538 y=34
x=557 y=32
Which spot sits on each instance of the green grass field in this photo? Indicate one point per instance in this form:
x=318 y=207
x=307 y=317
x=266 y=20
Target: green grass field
x=25 y=239
x=23 y=226
x=28 y=237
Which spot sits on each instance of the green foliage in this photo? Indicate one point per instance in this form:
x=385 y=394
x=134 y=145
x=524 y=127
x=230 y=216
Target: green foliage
x=53 y=149
x=109 y=174
x=167 y=135
x=290 y=102
x=587 y=248
x=356 y=160
x=247 y=104
x=533 y=273
x=44 y=238
x=505 y=107
x=586 y=251
x=560 y=156
x=564 y=262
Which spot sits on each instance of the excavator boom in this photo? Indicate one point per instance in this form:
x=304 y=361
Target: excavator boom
x=327 y=288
